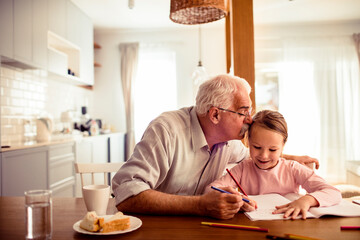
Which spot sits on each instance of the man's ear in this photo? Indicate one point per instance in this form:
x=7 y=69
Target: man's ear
x=214 y=115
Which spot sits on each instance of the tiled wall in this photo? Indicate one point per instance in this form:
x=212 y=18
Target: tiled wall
x=29 y=94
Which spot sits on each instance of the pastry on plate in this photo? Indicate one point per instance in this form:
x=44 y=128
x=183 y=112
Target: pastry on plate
x=118 y=222
x=91 y=222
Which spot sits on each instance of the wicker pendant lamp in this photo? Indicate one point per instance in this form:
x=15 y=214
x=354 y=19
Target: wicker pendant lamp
x=197 y=11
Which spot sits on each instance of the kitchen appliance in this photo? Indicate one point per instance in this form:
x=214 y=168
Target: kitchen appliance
x=44 y=128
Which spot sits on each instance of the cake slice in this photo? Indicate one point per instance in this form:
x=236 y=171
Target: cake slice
x=118 y=222
x=91 y=222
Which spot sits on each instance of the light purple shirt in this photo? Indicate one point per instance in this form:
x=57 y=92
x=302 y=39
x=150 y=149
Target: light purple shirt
x=286 y=177
x=173 y=157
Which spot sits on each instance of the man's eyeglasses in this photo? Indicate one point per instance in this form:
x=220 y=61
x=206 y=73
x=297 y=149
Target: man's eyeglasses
x=246 y=114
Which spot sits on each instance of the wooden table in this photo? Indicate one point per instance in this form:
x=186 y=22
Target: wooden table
x=67 y=211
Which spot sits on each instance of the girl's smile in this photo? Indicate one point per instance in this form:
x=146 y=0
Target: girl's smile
x=265 y=147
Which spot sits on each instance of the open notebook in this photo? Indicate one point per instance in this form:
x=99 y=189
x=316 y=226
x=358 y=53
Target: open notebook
x=267 y=202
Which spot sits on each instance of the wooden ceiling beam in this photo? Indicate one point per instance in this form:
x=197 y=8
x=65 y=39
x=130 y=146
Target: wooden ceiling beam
x=240 y=55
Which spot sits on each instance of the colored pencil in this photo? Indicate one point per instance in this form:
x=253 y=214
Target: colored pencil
x=223 y=191
x=277 y=237
x=299 y=237
x=234 y=226
x=350 y=227
x=237 y=183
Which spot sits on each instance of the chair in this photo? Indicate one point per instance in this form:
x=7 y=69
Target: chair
x=94 y=168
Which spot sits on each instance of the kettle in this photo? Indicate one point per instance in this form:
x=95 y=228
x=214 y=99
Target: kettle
x=43 y=129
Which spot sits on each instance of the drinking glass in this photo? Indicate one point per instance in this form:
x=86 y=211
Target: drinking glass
x=38 y=214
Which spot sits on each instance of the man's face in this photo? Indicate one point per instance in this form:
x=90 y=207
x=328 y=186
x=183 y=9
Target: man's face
x=236 y=122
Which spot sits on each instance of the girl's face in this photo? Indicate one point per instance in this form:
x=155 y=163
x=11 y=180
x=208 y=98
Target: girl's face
x=265 y=147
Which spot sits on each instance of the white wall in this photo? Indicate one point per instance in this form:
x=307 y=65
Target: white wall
x=109 y=104
x=268 y=38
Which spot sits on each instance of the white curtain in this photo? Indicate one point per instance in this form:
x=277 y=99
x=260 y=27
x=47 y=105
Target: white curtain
x=156 y=85
x=319 y=97
x=129 y=61
x=356 y=37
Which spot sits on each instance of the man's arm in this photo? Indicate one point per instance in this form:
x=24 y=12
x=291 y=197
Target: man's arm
x=213 y=204
x=303 y=159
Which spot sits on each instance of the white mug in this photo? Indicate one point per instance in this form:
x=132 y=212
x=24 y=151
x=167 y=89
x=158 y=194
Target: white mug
x=96 y=198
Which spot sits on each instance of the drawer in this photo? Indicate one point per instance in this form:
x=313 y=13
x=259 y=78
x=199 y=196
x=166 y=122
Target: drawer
x=59 y=151
x=64 y=189
x=61 y=170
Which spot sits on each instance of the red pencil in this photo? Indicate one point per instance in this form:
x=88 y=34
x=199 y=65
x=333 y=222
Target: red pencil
x=350 y=227
x=237 y=183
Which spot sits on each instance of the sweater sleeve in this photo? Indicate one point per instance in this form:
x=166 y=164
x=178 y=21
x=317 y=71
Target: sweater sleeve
x=316 y=186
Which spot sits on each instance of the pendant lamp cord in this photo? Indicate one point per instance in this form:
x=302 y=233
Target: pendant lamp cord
x=200 y=64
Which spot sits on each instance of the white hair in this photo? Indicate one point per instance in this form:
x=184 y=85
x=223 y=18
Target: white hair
x=219 y=92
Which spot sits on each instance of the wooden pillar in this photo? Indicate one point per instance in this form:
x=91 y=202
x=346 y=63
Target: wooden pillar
x=240 y=42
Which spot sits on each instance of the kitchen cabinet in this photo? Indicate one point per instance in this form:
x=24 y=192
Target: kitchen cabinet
x=47 y=167
x=28 y=27
x=6 y=28
x=57 y=13
x=87 y=56
x=23 y=170
x=30 y=32
x=61 y=169
x=80 y=32
x=39 y=33
x=23 y=30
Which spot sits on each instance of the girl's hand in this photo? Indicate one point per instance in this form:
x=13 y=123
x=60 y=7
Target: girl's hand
x=301 y=205
x=248 y=207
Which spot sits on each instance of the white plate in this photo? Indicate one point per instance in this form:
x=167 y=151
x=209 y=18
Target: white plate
x=135 y=223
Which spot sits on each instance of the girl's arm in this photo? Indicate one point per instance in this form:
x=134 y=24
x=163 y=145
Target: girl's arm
x=320 y=193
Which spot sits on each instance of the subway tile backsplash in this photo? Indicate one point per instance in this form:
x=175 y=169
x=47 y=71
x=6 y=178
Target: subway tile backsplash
x=29 y=94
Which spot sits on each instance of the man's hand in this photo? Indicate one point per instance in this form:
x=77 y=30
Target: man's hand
x=300 y=206
x=305 y=160
x=221 y=205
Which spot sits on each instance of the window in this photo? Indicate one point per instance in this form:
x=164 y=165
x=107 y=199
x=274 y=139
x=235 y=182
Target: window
x=155 y=86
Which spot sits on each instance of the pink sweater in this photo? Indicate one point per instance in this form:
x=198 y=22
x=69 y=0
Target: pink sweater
x=285 y=177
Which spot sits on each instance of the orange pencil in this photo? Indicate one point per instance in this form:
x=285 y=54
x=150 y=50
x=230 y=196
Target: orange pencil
x=234 y=226
x=237 y=183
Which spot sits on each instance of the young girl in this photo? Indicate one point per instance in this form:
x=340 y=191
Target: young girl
x=266 y=172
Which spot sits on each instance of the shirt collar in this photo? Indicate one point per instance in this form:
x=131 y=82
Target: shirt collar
x=197 y=135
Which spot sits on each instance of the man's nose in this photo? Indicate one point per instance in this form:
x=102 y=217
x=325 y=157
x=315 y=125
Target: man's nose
x=248 y=119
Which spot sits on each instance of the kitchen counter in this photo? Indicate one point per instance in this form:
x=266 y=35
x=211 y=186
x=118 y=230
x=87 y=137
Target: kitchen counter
x=55 y=139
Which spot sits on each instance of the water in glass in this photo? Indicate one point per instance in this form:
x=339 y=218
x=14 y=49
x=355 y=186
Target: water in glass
x=38 y=221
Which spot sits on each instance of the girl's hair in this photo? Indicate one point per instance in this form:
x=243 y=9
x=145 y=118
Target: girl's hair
x=219 y=91
x=270 y=120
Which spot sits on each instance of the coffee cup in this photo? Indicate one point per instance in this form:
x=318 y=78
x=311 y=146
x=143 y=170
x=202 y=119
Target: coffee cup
x=96 y=198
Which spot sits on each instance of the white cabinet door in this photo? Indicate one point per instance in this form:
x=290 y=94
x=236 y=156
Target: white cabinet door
x=24 y=170
x=80 y=32
x=100 y=149
x=23 y=31
x=39 y=36
x=57 y=12
x=117 y=147
x=6 y=28
x=87 y=51
x=74 y=30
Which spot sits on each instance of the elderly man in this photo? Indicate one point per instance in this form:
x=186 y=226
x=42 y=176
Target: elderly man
x=183 y=151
